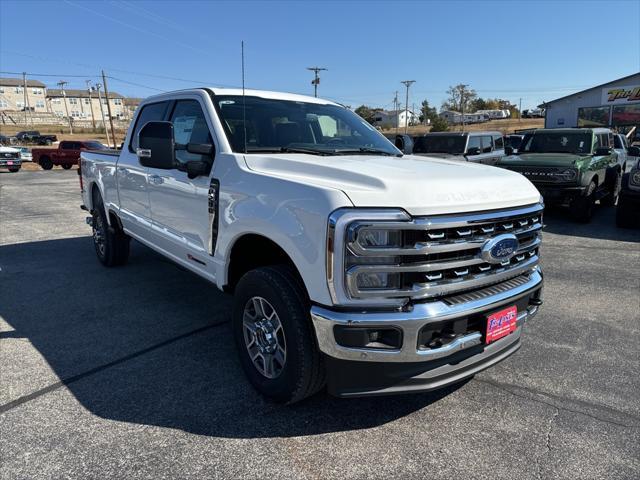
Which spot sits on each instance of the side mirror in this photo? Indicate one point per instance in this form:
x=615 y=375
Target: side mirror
x=508 y=150
x=473 y=151
x=602 y=151
x=197 y=168
x=200 y=148
x=633 y=152
x=156 y=146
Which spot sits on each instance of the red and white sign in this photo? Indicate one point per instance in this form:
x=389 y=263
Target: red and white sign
x=501 y=324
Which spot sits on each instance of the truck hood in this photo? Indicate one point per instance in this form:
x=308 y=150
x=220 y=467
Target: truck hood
x=447 y=156
x=420 y=185
x=543 y=159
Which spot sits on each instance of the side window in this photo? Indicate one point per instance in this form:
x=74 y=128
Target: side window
x=66 y=145
x=487 y=145
x=498 y=142
x=474 y=142
x=617 y=143
x=153 y=112
x=596 y=142
x=189 y=126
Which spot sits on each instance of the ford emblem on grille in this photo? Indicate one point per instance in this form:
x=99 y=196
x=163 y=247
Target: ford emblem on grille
x=500 y=248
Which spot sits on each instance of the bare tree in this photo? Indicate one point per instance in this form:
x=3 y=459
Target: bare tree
x=460 y=96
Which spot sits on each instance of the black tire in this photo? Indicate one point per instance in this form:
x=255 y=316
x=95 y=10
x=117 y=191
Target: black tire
x=626 y=215
x=582 y=207
x=46 y=163
x=66 y=166
x=110 y=242
x=14 y=170
x=303 y=373
x=614 y=190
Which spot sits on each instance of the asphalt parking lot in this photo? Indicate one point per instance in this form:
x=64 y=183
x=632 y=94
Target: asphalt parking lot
x=132 y=372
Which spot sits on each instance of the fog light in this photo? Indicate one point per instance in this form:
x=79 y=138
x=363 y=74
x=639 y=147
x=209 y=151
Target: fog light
x=378 y=280
x=389 y=338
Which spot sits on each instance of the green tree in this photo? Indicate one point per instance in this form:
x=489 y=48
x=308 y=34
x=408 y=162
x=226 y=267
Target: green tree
x=439 y=124
x=427 y=112
x=367 y=113
x=460 y=98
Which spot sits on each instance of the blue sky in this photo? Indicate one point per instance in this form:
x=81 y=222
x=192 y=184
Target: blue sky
x=537 y=50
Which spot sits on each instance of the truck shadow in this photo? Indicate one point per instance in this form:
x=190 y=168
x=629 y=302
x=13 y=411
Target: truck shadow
x=602 y=226
x=151 y=344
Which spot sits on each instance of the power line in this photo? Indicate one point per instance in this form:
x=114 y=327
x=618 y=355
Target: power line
x=135 y=84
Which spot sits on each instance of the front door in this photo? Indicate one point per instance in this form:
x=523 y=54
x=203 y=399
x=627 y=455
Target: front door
x=179 y=207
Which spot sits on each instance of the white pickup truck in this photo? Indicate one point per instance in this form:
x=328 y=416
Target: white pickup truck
x=352 y=265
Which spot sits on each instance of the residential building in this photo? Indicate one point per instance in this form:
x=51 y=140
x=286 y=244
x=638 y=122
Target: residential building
x=85 y=105
x=12 y=95
x=612 y=104
x=395 y=118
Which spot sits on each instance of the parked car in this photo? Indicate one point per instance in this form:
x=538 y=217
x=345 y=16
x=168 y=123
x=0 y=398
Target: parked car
x=350 y=263
x=403 y=142
x=8 y=140
x=514 y=140
x=620 y=146
x=66 y=155
x=25 y=154
x=628 y=209
x=479 y=147
x=573 y=167
x=33 y=136
x=10 y=159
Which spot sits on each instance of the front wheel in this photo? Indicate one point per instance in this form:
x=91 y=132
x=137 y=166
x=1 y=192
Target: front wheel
x=582 y=207
x=612 y=196
x=66 y=166
x=274 y=336
x=46 y=163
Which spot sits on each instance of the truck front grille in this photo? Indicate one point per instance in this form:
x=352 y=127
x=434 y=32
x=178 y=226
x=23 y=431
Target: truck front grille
x=442 y=255
x=550 y=175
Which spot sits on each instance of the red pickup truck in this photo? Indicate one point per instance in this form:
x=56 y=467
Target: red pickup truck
x=66 y=155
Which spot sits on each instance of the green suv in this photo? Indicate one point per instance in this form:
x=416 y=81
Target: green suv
x=572 y=167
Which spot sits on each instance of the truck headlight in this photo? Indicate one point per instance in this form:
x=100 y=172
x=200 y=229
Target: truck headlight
x=569 y=175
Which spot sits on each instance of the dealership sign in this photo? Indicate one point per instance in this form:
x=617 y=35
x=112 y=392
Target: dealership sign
x=617 y=95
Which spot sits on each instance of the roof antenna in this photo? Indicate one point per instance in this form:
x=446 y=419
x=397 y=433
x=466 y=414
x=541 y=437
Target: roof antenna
x=244 y=106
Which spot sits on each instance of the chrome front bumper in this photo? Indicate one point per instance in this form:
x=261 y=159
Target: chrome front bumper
x=412 y=321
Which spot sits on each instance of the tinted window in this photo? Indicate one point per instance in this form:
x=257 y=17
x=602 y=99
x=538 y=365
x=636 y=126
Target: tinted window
x=154 y=112
x=453 y=144
x=189 y=126
x=487 y=145
x=66 y=145
x=474 y=142
x=499 y=142
x=617 y=143
x=549 y=141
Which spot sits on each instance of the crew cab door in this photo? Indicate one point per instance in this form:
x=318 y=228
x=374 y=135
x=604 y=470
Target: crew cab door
x=131 y=176
x=179 y=205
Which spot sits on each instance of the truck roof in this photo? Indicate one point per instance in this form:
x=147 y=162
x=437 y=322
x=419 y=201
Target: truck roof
x=294 y=97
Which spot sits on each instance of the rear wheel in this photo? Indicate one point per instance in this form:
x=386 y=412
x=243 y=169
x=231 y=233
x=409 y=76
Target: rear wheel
x=46 y=163
x=66 y=166
x=110 y=242
x=274 y=335
x=614 y=190
x=582 y=207
x=626 y=217
x=14 y=170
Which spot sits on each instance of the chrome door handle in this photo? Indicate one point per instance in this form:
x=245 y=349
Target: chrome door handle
x=155 y=179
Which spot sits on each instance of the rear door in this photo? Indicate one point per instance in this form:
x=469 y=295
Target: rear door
x=133 y=192
x=179 y=205
x=473 y=143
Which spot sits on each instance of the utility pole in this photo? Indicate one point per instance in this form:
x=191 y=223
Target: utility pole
x=520 y=111
x=106 y=94
x=93 y=120
x=104 y=124
x=61 y=84
x=26 y=97
x=316 y=79
x=396 y=108
x=407 y=83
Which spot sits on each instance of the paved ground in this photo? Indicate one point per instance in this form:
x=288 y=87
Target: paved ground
x=131 y=372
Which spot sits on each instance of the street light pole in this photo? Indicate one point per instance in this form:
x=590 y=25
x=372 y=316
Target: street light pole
x=407 y=83
x=62 y=83
x=316 y=78
x=93 y=119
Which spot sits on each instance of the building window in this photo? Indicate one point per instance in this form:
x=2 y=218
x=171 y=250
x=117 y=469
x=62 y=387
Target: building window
x=73 y=101
x=40 y=104
x=86 y=101
x=3 y=103
x=19 y=105
x=626 y=114
x=117 y=101
x=18 y=90
x=36 y=91
x=76 y=114
x=59 y=113
x=593 y=116
x=56 y=101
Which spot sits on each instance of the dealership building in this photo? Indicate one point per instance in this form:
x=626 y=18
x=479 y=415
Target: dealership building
x=613 y=104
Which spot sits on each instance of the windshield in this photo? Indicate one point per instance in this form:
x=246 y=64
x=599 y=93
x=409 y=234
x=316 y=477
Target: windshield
x=298 y=127
x=453 y=144
x=557 y=142
x=95 y=146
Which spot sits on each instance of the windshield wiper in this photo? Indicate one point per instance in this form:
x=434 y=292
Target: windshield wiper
x=366 y=150
x=310 y=151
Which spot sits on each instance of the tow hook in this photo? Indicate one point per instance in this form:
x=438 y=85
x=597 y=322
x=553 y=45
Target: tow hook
x=536 y=302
